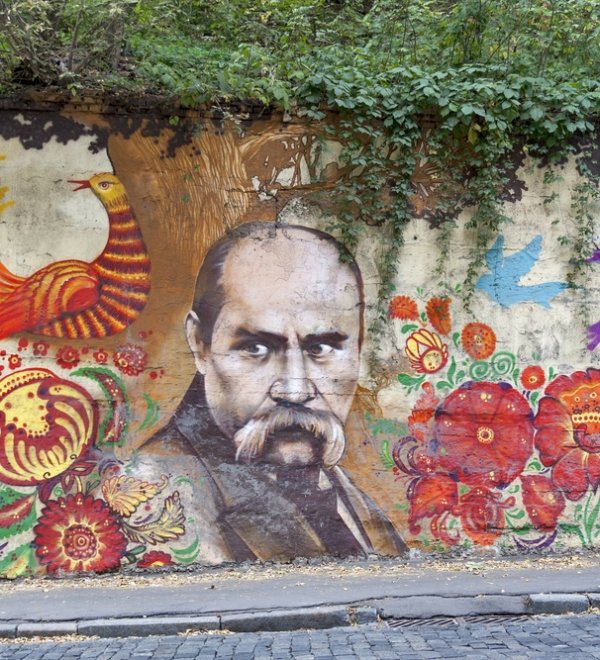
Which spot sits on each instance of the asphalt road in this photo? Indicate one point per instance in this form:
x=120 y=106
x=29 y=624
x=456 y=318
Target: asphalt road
x=548 y=637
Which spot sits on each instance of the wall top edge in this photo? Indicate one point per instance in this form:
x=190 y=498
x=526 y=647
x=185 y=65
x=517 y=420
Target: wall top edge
x=118 y=103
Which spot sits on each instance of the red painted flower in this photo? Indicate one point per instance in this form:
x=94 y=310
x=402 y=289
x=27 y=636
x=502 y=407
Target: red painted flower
x=568 y=432
x=542 y=502
x=101 y=356
x=78 y=533
x=533 y=377
x=433 y=496
x=438 y=313
x=483 y=434
x=478 y=340
x=421 y=415
x=14 y=361
x=130 y=359
x=155 y=559
x=40 y=348
x=403 y=308
x=482 y=514
x=67 y=357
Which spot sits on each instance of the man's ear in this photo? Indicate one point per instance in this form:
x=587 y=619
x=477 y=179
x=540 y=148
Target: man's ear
x=193 y=333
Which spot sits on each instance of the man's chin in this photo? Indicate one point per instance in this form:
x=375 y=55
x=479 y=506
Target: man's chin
x=295 y=448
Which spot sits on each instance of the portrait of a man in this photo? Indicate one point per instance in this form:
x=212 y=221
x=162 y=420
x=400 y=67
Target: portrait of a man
x=275 y=329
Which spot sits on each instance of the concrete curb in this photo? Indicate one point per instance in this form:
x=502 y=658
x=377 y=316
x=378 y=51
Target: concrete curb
x=332 y=616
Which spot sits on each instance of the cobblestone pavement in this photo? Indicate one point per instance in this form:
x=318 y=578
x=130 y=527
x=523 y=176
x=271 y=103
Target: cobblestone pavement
x=526 y=637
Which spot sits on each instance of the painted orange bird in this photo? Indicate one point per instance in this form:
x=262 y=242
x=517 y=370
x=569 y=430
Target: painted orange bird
x=78 y=299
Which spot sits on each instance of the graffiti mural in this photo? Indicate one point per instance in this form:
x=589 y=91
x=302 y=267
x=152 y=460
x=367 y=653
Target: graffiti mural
x=189 y=374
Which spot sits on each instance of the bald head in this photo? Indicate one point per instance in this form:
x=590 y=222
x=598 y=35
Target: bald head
x=209 y=295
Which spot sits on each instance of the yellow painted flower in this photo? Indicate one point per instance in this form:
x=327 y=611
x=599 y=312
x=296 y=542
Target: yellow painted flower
x=426 y=352
x=124 y=494
x=46 y=424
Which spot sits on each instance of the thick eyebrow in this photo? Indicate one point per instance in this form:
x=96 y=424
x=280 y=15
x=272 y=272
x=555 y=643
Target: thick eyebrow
x=332 y=338
x=242 y=335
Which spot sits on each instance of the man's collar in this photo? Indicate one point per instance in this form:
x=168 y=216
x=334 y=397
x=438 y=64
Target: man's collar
x=194 y=421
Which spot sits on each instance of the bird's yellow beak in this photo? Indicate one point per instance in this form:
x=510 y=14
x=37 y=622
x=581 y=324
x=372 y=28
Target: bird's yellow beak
x=82 y=184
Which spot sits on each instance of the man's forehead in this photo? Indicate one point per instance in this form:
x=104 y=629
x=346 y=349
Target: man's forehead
x=294 y=263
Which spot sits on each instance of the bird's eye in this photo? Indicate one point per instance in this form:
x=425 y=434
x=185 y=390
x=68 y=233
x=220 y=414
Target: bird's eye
x=104 y=185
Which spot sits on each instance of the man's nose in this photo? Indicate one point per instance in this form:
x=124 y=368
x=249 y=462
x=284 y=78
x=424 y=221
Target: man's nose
x=294 y=385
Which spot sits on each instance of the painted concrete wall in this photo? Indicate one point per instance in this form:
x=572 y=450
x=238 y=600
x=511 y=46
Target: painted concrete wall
x=151 y=415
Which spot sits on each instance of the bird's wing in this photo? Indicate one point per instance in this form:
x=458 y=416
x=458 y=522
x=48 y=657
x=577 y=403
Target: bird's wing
x=8 y=281
x=522 y=261
x=58 y=290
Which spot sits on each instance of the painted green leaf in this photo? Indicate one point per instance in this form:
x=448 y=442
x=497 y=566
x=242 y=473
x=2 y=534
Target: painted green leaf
x=452 y=370
x=534 y=465
x=409 y=327
x=572 y=529
x=187 y=555
x=410 y=381
x=456 y=339
x=20 y=562
x=517 y=515
x=152 y=414
x=384 y=426
x=386 y=457
x=17 y=512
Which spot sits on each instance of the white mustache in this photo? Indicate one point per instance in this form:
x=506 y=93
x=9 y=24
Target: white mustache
x=252 y=437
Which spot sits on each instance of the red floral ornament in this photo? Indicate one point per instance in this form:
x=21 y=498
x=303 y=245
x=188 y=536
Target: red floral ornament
x=478 y=340
x=40 y=348
x=130 y=359
x=483 y=434
x=155 y=559
x=542 y=502
x=533 y=377
x=568 y=432
x=403 y=308
x=421 y=415
x=67 y=357
x=433 y=496
x=14 y=361
x=438 y=313
x=482 y=514
x=78 y=533
x=100 y=356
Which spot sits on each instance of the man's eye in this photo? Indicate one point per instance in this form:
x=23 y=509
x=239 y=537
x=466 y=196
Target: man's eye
x=255 y=350
x=319 y=350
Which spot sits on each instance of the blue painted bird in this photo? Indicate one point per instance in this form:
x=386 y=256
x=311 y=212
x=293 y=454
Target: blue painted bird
x=502 y=282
